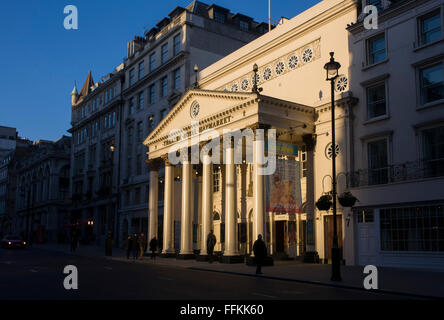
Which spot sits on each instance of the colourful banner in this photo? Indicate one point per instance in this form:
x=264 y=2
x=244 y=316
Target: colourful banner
x=284 y=188
x=283 y=148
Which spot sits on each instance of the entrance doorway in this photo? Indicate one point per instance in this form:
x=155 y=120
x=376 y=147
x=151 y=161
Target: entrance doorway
x=280 y=236
x=328 y=235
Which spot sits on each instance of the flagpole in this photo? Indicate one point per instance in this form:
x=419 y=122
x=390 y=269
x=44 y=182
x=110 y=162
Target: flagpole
x=269 y=15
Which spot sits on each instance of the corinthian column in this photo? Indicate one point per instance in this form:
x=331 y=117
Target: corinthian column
x=207 y=202
x=231 y=252
x=186 y=234
x=258 y=188
x=168 y=210
x=153 y=203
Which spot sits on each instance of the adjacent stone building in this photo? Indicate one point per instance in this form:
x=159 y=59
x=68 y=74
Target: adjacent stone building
x=126 y=106
x=42 y=191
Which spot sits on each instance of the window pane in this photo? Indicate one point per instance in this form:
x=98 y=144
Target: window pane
x=377 y=49
x=431 y=28
x=432 y=86
x=377 y=162
x=376 y=101
x=433 y=151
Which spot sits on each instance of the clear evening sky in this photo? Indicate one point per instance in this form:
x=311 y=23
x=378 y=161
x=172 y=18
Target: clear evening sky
x=40 y=60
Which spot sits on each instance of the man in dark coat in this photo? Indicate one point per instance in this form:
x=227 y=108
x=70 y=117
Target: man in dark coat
x=128 y=246
x=135 y=246
x=109 y=244
x=260 y=253
x=153 y=248
x=211 y=242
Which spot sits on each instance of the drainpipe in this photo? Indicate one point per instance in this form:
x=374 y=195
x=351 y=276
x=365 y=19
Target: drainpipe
x=122 y=78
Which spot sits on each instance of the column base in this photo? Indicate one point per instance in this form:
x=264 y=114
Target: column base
x=187 y=256
x=311 y=257
x=268 y=261
x=167 y=255
x=232 y=259
x=202 y=257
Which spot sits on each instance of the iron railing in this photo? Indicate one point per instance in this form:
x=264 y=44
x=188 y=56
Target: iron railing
x=397 y=173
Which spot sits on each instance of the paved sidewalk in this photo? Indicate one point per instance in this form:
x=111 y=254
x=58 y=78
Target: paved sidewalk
x=421 y=282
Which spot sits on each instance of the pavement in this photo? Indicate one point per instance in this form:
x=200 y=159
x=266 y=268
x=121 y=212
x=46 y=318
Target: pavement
x=424 y=283
x=40 y=274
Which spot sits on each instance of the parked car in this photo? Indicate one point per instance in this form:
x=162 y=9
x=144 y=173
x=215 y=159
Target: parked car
x=13 y=242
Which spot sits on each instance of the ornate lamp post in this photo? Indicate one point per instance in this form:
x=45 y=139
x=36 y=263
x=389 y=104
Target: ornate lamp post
x=332 y=68
x=109 y=239
x=196 y=70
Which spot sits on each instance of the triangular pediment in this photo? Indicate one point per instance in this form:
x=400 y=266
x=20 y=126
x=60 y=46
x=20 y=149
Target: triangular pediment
x=198 y=105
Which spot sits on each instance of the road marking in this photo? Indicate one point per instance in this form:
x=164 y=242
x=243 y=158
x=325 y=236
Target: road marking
x=163 y=278
x=264 y=295
x=33 y=270
x=8 y=262
x=108 y=268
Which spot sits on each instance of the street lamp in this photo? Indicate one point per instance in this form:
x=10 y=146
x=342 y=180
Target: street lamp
x=332 y=68
x=109 y=240
x=196 y=70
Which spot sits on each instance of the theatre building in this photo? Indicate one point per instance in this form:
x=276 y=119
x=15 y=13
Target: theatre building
x=237 y=200
x=388 y=99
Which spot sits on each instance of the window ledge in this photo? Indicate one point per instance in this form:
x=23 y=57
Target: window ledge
x=430 y=104
x=369 y=66
x=415 y=49
x=376 y=119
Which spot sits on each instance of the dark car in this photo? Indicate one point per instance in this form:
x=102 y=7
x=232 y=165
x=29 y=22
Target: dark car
x=13 y=242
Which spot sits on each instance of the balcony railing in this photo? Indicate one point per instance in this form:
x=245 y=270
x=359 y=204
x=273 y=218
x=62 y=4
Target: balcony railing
x=397 y=173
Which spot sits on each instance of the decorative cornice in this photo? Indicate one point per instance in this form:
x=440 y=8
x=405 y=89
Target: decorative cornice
x=286 y=63
x=281 y=40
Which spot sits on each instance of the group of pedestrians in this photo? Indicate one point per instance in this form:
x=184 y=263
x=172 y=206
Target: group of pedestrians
x=135 y=245
x=259 y=250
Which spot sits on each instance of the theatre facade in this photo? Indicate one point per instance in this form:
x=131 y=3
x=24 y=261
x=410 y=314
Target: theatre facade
x=286 y=118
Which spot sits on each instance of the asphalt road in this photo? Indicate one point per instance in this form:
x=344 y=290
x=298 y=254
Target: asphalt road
x=34 y=274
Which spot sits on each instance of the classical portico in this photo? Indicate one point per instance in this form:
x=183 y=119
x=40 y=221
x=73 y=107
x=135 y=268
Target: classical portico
x=196 y=126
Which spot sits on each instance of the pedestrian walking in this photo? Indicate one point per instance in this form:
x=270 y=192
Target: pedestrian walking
x=153 y=248
x=109 y=244
x=142 y=245
x=211 y=242
x=135 y=246
x=128 y=246
x=260 y=253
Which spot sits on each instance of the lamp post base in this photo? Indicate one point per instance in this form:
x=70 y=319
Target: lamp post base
x=335 y=265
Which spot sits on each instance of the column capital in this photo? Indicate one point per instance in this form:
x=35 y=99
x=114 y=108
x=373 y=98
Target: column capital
x=258 y=126
x=166 y=160
x=310 y=141
x=154 y=164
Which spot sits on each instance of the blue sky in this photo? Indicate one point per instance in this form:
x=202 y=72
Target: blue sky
x=40 y=60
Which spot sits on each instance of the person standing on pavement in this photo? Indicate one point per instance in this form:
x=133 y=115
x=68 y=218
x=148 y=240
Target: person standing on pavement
x=135 y=246
x=141 y=245
x=211 y=242
x=128 y=246
x=153 y=248
x=260 y=253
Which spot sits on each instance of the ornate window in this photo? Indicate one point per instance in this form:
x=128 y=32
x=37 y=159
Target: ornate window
x=244 y=85
x=267 y=74
x=293 y=61
x=307 y=55
x=280 y=67
x=341 y=83
x=329 y=150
